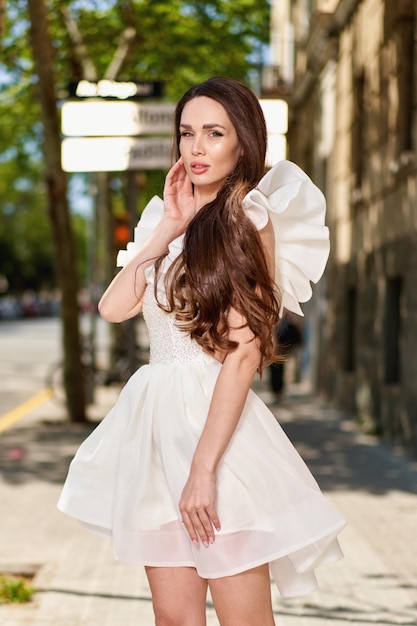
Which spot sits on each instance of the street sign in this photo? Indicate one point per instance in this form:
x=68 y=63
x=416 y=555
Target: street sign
x=276 y=118
x=121 y=90
x=94 y=118
x=276 y=115
x=277 y=149
x=115 y=154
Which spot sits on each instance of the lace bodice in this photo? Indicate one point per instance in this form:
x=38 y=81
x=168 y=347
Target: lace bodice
x=168 y=344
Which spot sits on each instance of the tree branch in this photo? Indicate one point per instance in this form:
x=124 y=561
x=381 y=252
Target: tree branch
x=121 y=53
x=79 y=47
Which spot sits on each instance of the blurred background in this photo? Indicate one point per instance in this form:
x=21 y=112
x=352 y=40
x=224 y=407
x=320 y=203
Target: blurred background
x=87 y=93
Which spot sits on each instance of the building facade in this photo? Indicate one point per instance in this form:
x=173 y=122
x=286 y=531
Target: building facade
x=352 y=99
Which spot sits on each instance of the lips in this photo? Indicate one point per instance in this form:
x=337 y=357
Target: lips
x=199 y=168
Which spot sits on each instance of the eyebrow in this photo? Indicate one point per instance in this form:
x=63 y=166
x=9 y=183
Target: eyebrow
x=205 y=126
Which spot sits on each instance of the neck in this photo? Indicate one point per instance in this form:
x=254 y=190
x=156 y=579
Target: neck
x=205 y=195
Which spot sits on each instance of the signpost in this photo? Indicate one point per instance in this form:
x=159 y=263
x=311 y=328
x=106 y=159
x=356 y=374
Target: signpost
x=106 y=118
x=115 y=154
x=106 y=129
x=276 y=117
x=107 y=136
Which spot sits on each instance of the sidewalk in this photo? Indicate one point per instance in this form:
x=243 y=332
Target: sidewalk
x=80 y=584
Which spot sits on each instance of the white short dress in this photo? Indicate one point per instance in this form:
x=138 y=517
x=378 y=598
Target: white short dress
x=126 y=479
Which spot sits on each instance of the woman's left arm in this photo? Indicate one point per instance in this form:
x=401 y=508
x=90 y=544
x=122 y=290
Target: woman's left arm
x=198 y=500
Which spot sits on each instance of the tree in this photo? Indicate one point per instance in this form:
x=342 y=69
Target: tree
x=173 y=41
x=26 y=251
x=58 y=209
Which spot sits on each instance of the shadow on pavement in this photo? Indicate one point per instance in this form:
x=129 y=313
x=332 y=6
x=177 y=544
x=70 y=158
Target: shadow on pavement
x=338 y=454
x=96 y=594
x=41 y=451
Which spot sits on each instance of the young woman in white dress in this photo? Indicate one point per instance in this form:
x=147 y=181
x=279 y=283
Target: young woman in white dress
x=190 y=475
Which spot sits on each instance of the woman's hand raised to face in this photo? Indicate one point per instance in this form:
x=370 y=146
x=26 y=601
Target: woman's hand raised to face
x=179 y=201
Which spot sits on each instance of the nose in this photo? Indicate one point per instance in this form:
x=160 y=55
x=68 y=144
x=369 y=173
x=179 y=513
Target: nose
x=197 y=147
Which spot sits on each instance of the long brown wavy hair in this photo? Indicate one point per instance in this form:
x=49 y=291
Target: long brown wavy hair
x=223 y=263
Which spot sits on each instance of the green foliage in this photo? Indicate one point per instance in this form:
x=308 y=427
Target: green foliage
x=15 y=589
x=177 y=42
x=26 y=254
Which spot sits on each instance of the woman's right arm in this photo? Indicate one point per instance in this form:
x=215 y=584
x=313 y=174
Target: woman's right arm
x=123 y=297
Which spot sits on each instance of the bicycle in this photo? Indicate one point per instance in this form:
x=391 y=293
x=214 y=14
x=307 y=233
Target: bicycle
x=118 y=372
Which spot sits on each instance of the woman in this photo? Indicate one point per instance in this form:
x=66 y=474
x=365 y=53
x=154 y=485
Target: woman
x=190 y=474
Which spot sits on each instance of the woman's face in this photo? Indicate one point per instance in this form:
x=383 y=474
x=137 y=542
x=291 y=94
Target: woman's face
x=208 y=145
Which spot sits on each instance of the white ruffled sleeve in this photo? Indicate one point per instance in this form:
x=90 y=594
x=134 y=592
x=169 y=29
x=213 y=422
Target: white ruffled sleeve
x=297 y=210
x=150 y=218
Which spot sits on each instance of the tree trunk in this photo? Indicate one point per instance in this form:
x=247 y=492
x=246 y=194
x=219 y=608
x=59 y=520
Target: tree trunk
x=2 y=19
x=59 y=213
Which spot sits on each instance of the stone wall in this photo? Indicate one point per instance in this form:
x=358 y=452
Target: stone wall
x=368 y=353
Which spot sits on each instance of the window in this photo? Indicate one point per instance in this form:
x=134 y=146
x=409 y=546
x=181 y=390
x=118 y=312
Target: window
x=350 y=346
x=399 y=27
x=358 y=128
x=406 y=81
x=393 y=330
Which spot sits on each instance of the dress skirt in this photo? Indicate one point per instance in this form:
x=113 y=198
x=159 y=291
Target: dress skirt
x=127 y=477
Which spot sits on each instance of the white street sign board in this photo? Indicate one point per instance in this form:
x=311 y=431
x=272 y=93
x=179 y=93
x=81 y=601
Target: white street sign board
x=94 y=118
x=276 y=115
x=277 y=149
x=115 y=154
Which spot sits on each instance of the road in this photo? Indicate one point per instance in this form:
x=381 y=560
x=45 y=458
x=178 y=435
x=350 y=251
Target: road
x=28 y=349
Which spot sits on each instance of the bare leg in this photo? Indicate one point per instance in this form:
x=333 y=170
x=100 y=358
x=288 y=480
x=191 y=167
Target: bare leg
x=244 y=599
x=178 y=596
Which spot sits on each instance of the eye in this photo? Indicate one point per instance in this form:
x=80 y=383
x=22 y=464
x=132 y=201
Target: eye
x=216 y=133
x=186 y=133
